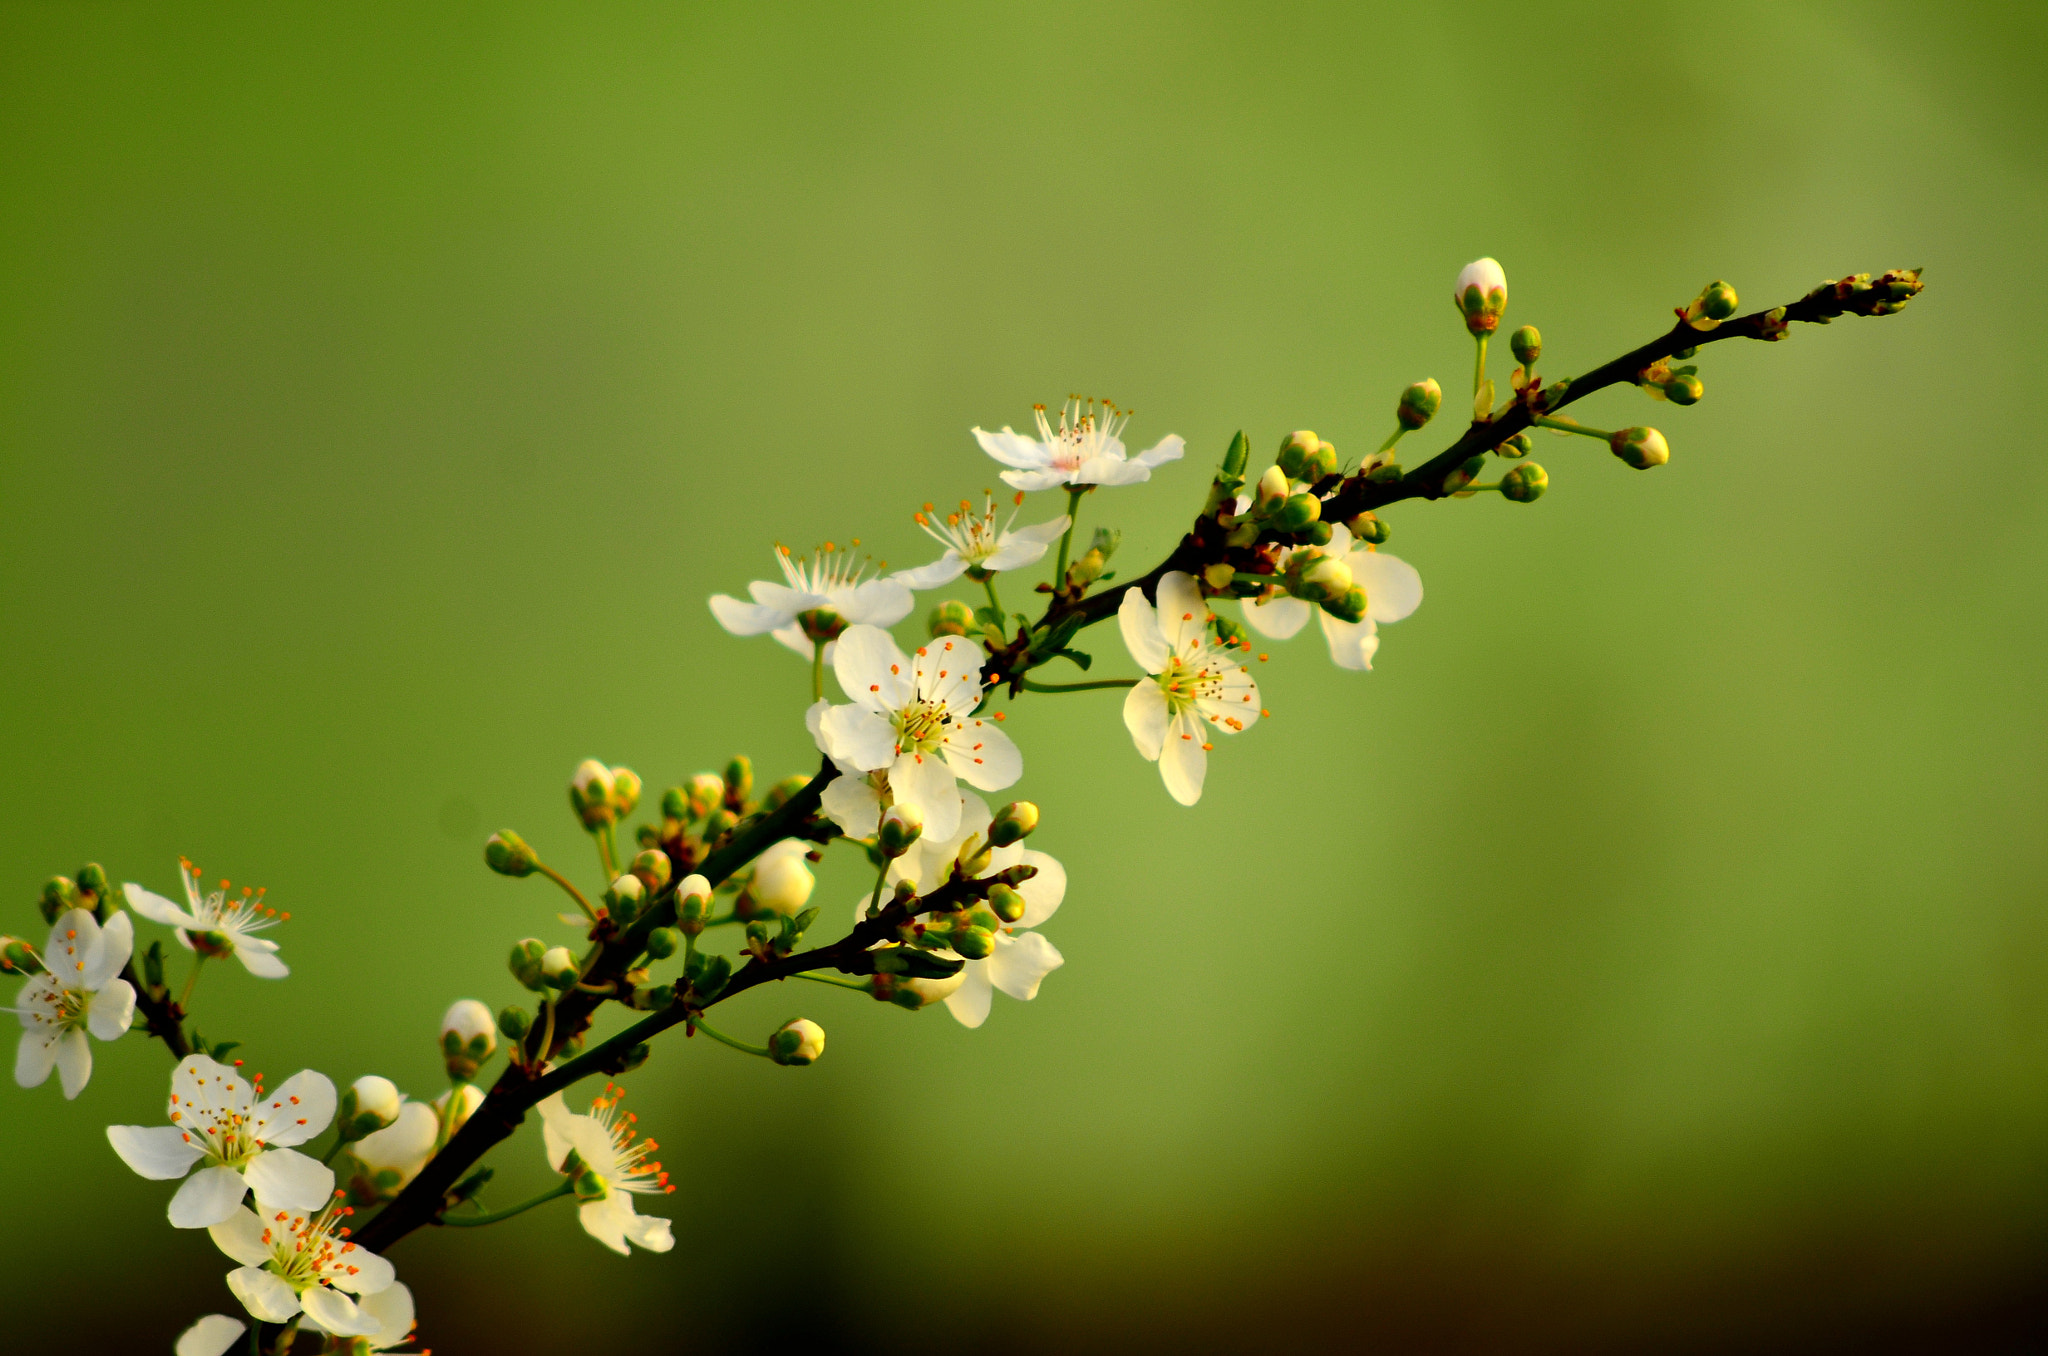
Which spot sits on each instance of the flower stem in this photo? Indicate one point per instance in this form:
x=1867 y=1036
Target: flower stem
x=724 y=1039
x=1479 y=364
x=198 y=959
x=1393 y=438
x=853 y=984
x=1031 y=685
x=492 y=1217
x=338 y=1146
x=547 y=1038
x=817 y=670
x=988 y=581
x=881 y=876
x=574 y=893
x=1570 y=426
x=1059 y=573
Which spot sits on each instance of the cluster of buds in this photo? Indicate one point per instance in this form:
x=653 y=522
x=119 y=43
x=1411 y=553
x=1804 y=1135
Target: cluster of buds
x=1859 y=293
x=603 y=795
x=89 y=890
x=698 y=814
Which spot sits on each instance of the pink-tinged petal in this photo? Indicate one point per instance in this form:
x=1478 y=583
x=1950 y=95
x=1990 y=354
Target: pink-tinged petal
x=1183 y=762
x=1352 y=644
x=288 y=1178
x=603 y=1221
x=1021 y=963
x=34 y=1058
x=1044 y=892
x=1014 y=449
x=741 y=619
x=1182 y=613
x=983 y=756
x=337 y=1313
x=240 y=1236
x=260 y=963
x=1393 y=587
x=1278 y=617
x=924 y=783
x=947 y=670
x=109 y=952
x=74 y=1063
x=651 y=1232
x=1140 y=626
x=208 y=1197
x=1145 y=717
x=944 y=570
x=871 y=670
x=1169 y=448
x=853 y=804
x=879 y=602
x=113 y=1008
x=860 y=736
x=1030 y=481
x=156 y=908
x=263 y=1294
x=210 y=1336
x=162 y=1153
x=969 y=1003
x=295 y=1111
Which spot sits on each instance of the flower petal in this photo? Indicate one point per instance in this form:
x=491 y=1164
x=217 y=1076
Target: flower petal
x=1145 y=717
x=258 y=962
x=879 y=602
x=287 y=1177
x=925 y=783
x=1140 y=626
x=969 y=1003
x=1044 y=892
x=1034 y=480
x=853 y=804
x=983 y=756
x=858 y=735
x=392 y=1307
x=156 y=908
x=363 y=1272
x=1014 y=449
x=295 y=1111
x=871 y=670
x=34 y=1058
x=1169 y=448
x=1393 y=587
x=651 y=1232
x=337 y=1313
x=1182 y=613
x=947 y=670
x=210 y=1336
x=944 y=570
x=1111 y=470
x=74 y=1062
x=162 y=1153
x=1021 y=963
x=402 y=1146
x=1182 y=760
x=263 y=1294
x=556 y=1123
x=602 y=1221
x=109 y=952
x=1278 y=617
x=208 y=1197
x=793 y=639
x=1352 y=644
x=240 y=1236
x=113 y=1008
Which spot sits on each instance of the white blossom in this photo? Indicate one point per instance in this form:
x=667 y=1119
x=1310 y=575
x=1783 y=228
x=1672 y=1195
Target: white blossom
x=614 y=1169
x=393 y=1156
x=1085 y=449
x=825 y=594
x=1197 y=685
x=222 y=1117
x=80 y=990
x=392 y=1307
x=225 y=925
x=210 y=1336
x=296 y=1261
x=913 y=718
x=973 y=541
x=1393 y=589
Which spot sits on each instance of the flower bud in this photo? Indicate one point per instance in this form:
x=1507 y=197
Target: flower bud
x=1515 y=447
x=1014 y=875
x=18 y=957
x=718 y=822
x=1717 y=301
x=798 y=1042
x=507 y=854
x=914 y=991
x=1298 y=512
x=1272 y=488
x=1087 y=569
x=1418 y=404
x=469 y=1036
x=1481 y=294
x=558 y=968
x=1323 y=577
x=950 y=618
x=457 y=1105
x=1524 y=484
x=901 y=827
x=1527 y=344
x=367 y=1106
x=1295 y=451
x=514 y=1022
x=739 y=777
x=60 y=896
x=1684 y=389
x=1367 y=527
x=1013 y=822
x=1236 y=458
x=1641 y=448
x=623 y=898
x=1350 y=607
x=637 y=1056
x=590 y=793
x=1321 y=464
x=707 y=793
x=782 y=881
x=525 y=962
x=1465 y=474
x=1005 y=903
x=675 y=803
x=652 y=867
x=664 y=942
x=779 y=794
x=625 y=791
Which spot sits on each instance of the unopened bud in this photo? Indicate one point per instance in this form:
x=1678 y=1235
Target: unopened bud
x=1005 y=903
x=1320 y=464
x=60 y=896
x=636 y=1056
x=782 y=881
x=1298 y=512
x=1321 y=578
x=914 y=991
x=1272 y=487
x=1295 y=451
x=1465 y=474
x=1516 y=447
x=901 y=827
x=366 y=1106
x=652 y=867
x=506 y=853
x=525 y=962
x=1717 y=301
x=590 y=793
x=458 y=1104
x=1014 y=875
x=1237 y=457
x=779 y=794
x=469 y=1036
x=707 y=793
x=718 y=822
x=1367 y=527
x=514 y=1022
x=1350 y=607
x=1418 y=404
x=1481 y=294
x=623 y=898
x=739 y=777
x=950 y=618
x=1684 y=389
x=1524 y=484
x=1527 y=345
x=1013 y=822
x=1087 y=569
x=798 y=1042
x=93 y=885
x=664 y=942
x=675 y=803
x=18 y=957
x=1641 y=448
x=558 y=968
x=625 y=791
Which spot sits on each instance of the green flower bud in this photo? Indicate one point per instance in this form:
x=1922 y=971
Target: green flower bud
x=914 y=991
x=1367 y=527
x=675 y=803
x=950 y=618
x=1718 y=301
x=1014 y=875
x=1087 y=569
x=974 y=943
x=1317 y=533
x=1465 y=475
x=1298 y=512
x=739 y=777
x=664 y=942
x=1237 y=457
x=707 y=793
x=514 y=1022
x=635 y=1057
x=1295 y=450
x=652 y=867
x=1684 y=389
x=1515 y=447
x=779 y=794
x=153 y=968
x=901 y=827
x=1005 y=903
x=1321 y=577
x=1350 y=607
x=60 y=896
x=718 y=822
x=625 y=791
x=1641 y=448
x=1272 y=488
x=525 y=962
x=1527 y=345
x=558 y=968
x=1012 y=823
x=801 y=1041
x=366 y=1106
x=623 y=898
x=1524 y=484
x=18 y=957
x=590 y=793
x=506 y=853
x=1320 y=464
x=1418 y=404
x=1481 y=294
x=693 y=903
x=93 y=885
x=469 y=1036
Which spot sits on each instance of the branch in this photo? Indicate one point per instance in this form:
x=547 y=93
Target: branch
x=161 y=1017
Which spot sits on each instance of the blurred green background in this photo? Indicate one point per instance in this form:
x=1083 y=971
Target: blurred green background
x=1647 y=955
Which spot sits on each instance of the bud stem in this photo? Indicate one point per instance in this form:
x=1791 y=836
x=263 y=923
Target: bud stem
x=881 y=876
x=1571 y=426
x=853 y=984
x=1031 y=685
x=1393 y=438
x=1059 y=571
x=988 y=581
x=1479 y=363
x=574 y=893
x=723 y=1039
x=817 y=670
x=185 y=998
x=567 y=1185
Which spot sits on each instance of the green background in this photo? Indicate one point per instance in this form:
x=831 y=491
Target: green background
x=1647 y=954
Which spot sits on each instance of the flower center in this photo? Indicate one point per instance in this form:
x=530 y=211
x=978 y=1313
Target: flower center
x=1083 y=433
x=921 y=727
x=1187 y=681
x=828 y=571
x=821 y=623
x=306 y=1251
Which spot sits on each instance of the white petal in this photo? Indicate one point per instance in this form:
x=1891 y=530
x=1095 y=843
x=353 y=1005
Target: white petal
x=1279 y=617
x=260 y=963
x=969 y=1003
x=1166 y=449
x=295 y=1111
x=162 y=1153
x=1393 y=587
x=746 y=619
x=113 y=1007
x=983 y=755
x=201 y=1080
x=337 y=1313
x=1014 y=449
x=603 y=1221
x=404 y=1145
x=156 y=908
x=1182 y=760
x=109 y=952
x=556 y=1124
x=859 y=735
x=1021 y=963
x=1145 y=717
x=74 y=1063
x=287 y=1177
x=34 y=1058
x=208 y=1197
x=392 y=1307
x=1034 y=480
x=210 y=1336
x=879 y=602
x=371 y=1273
x=925 y=783
x=1107 y=470
x=263 y=1294
x=871 y=669
x=240 y=1236
x=1140 y=626
x=853 y=804
x=793 y=639
x=947 y=670
x=1182 y=613
x=944 y=570
x=1044 y=892
x=1352 y=644
x=651 y=1232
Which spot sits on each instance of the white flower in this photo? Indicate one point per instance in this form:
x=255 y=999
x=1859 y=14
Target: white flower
x=1022 y=959
x=1197 y=685
x=1393 y=589
x=393 y=1156
x=972 y=541
x=210 y=1336
x=824 y=596
x=913 y=719
x=1084 y=450
x=294 y=1261
x=226 y=926
x=80 y=990
x=1481 y=294
x=782 y=881
x=222 y=1116
x=392 y=1307
x=614 y=1169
